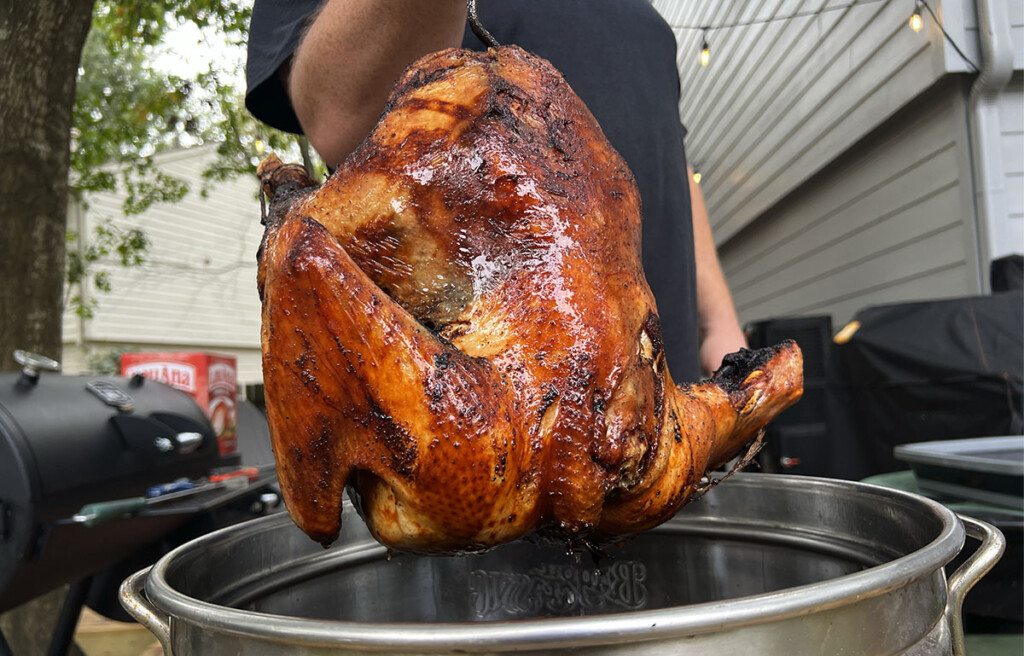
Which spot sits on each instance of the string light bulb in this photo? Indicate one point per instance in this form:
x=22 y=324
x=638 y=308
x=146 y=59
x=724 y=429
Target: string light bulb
x=705 y=51
x=915 y=20
x=260 y=146
x=696 y=177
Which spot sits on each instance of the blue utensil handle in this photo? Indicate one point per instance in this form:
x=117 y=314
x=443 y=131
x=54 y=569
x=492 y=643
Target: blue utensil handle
x=179 y=485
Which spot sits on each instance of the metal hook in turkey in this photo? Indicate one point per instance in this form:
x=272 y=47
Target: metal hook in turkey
x=478 y=29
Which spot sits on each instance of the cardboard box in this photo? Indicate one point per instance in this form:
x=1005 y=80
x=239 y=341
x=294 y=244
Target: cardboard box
x=209 y=378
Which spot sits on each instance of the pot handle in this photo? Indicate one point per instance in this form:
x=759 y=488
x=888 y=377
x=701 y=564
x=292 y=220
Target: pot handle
x=993 y=544
x=135 y=601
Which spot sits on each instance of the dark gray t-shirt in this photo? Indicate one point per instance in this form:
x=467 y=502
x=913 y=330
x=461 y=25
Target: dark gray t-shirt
x=619 y=56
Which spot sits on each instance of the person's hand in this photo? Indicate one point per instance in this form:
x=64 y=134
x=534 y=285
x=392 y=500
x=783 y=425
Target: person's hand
x=717 y=342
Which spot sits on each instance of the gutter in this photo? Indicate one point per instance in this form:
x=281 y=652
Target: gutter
x=983 y=123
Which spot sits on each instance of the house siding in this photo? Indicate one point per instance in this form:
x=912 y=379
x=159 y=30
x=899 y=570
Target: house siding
x=1015 y=11
x=782 y=99
x=197 y=289
x=1011 y=127
x=890 y=221
x=961 y=22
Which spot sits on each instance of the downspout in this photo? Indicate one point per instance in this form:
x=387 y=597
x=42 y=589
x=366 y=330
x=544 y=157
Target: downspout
x=983 y=117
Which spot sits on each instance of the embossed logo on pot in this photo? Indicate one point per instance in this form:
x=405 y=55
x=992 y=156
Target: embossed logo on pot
x=559 y=590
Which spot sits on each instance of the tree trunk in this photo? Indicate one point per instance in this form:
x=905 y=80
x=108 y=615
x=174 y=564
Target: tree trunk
x=40 y=49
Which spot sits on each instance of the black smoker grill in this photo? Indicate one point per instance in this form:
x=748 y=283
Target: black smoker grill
x=67 y=441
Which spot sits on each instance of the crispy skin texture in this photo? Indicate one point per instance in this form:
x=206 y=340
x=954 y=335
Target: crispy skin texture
x=457 y=324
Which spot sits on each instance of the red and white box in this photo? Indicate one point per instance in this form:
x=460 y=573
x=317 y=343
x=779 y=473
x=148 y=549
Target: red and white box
x=209 y=378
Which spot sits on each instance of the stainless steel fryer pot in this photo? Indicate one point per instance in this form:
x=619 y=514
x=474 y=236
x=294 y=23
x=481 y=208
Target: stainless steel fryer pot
x=763 y=564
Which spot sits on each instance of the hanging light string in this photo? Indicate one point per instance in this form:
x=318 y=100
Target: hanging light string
x=705 y=52
x=977 y=69
x=773 y=19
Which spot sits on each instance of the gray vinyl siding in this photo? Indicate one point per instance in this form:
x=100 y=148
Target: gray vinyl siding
x=1015 y=8
x=781 y=100
x=1011 y=127
x=961 y=22
x=197 y=290
x=890 y=221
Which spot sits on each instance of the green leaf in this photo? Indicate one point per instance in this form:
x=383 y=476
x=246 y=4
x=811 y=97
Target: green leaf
x=108 y=238
x=101 y=279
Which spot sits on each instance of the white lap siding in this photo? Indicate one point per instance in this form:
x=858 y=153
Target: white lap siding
x=197 y=289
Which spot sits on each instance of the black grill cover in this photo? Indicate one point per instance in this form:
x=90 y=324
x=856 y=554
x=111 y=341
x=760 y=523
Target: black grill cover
x=934 y=370
x=1007 y=273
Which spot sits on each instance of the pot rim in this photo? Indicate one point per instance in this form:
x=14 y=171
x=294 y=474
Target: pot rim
x=611 y=628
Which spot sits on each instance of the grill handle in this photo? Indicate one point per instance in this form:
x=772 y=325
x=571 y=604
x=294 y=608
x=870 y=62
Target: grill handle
x=993 y=544
x=135 y=601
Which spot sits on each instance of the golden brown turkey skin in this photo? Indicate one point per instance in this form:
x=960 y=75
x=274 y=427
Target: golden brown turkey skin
x=457 y=323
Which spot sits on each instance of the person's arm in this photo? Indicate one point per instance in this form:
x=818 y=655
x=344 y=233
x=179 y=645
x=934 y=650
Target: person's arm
x=350 y=58
x=720 y=332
